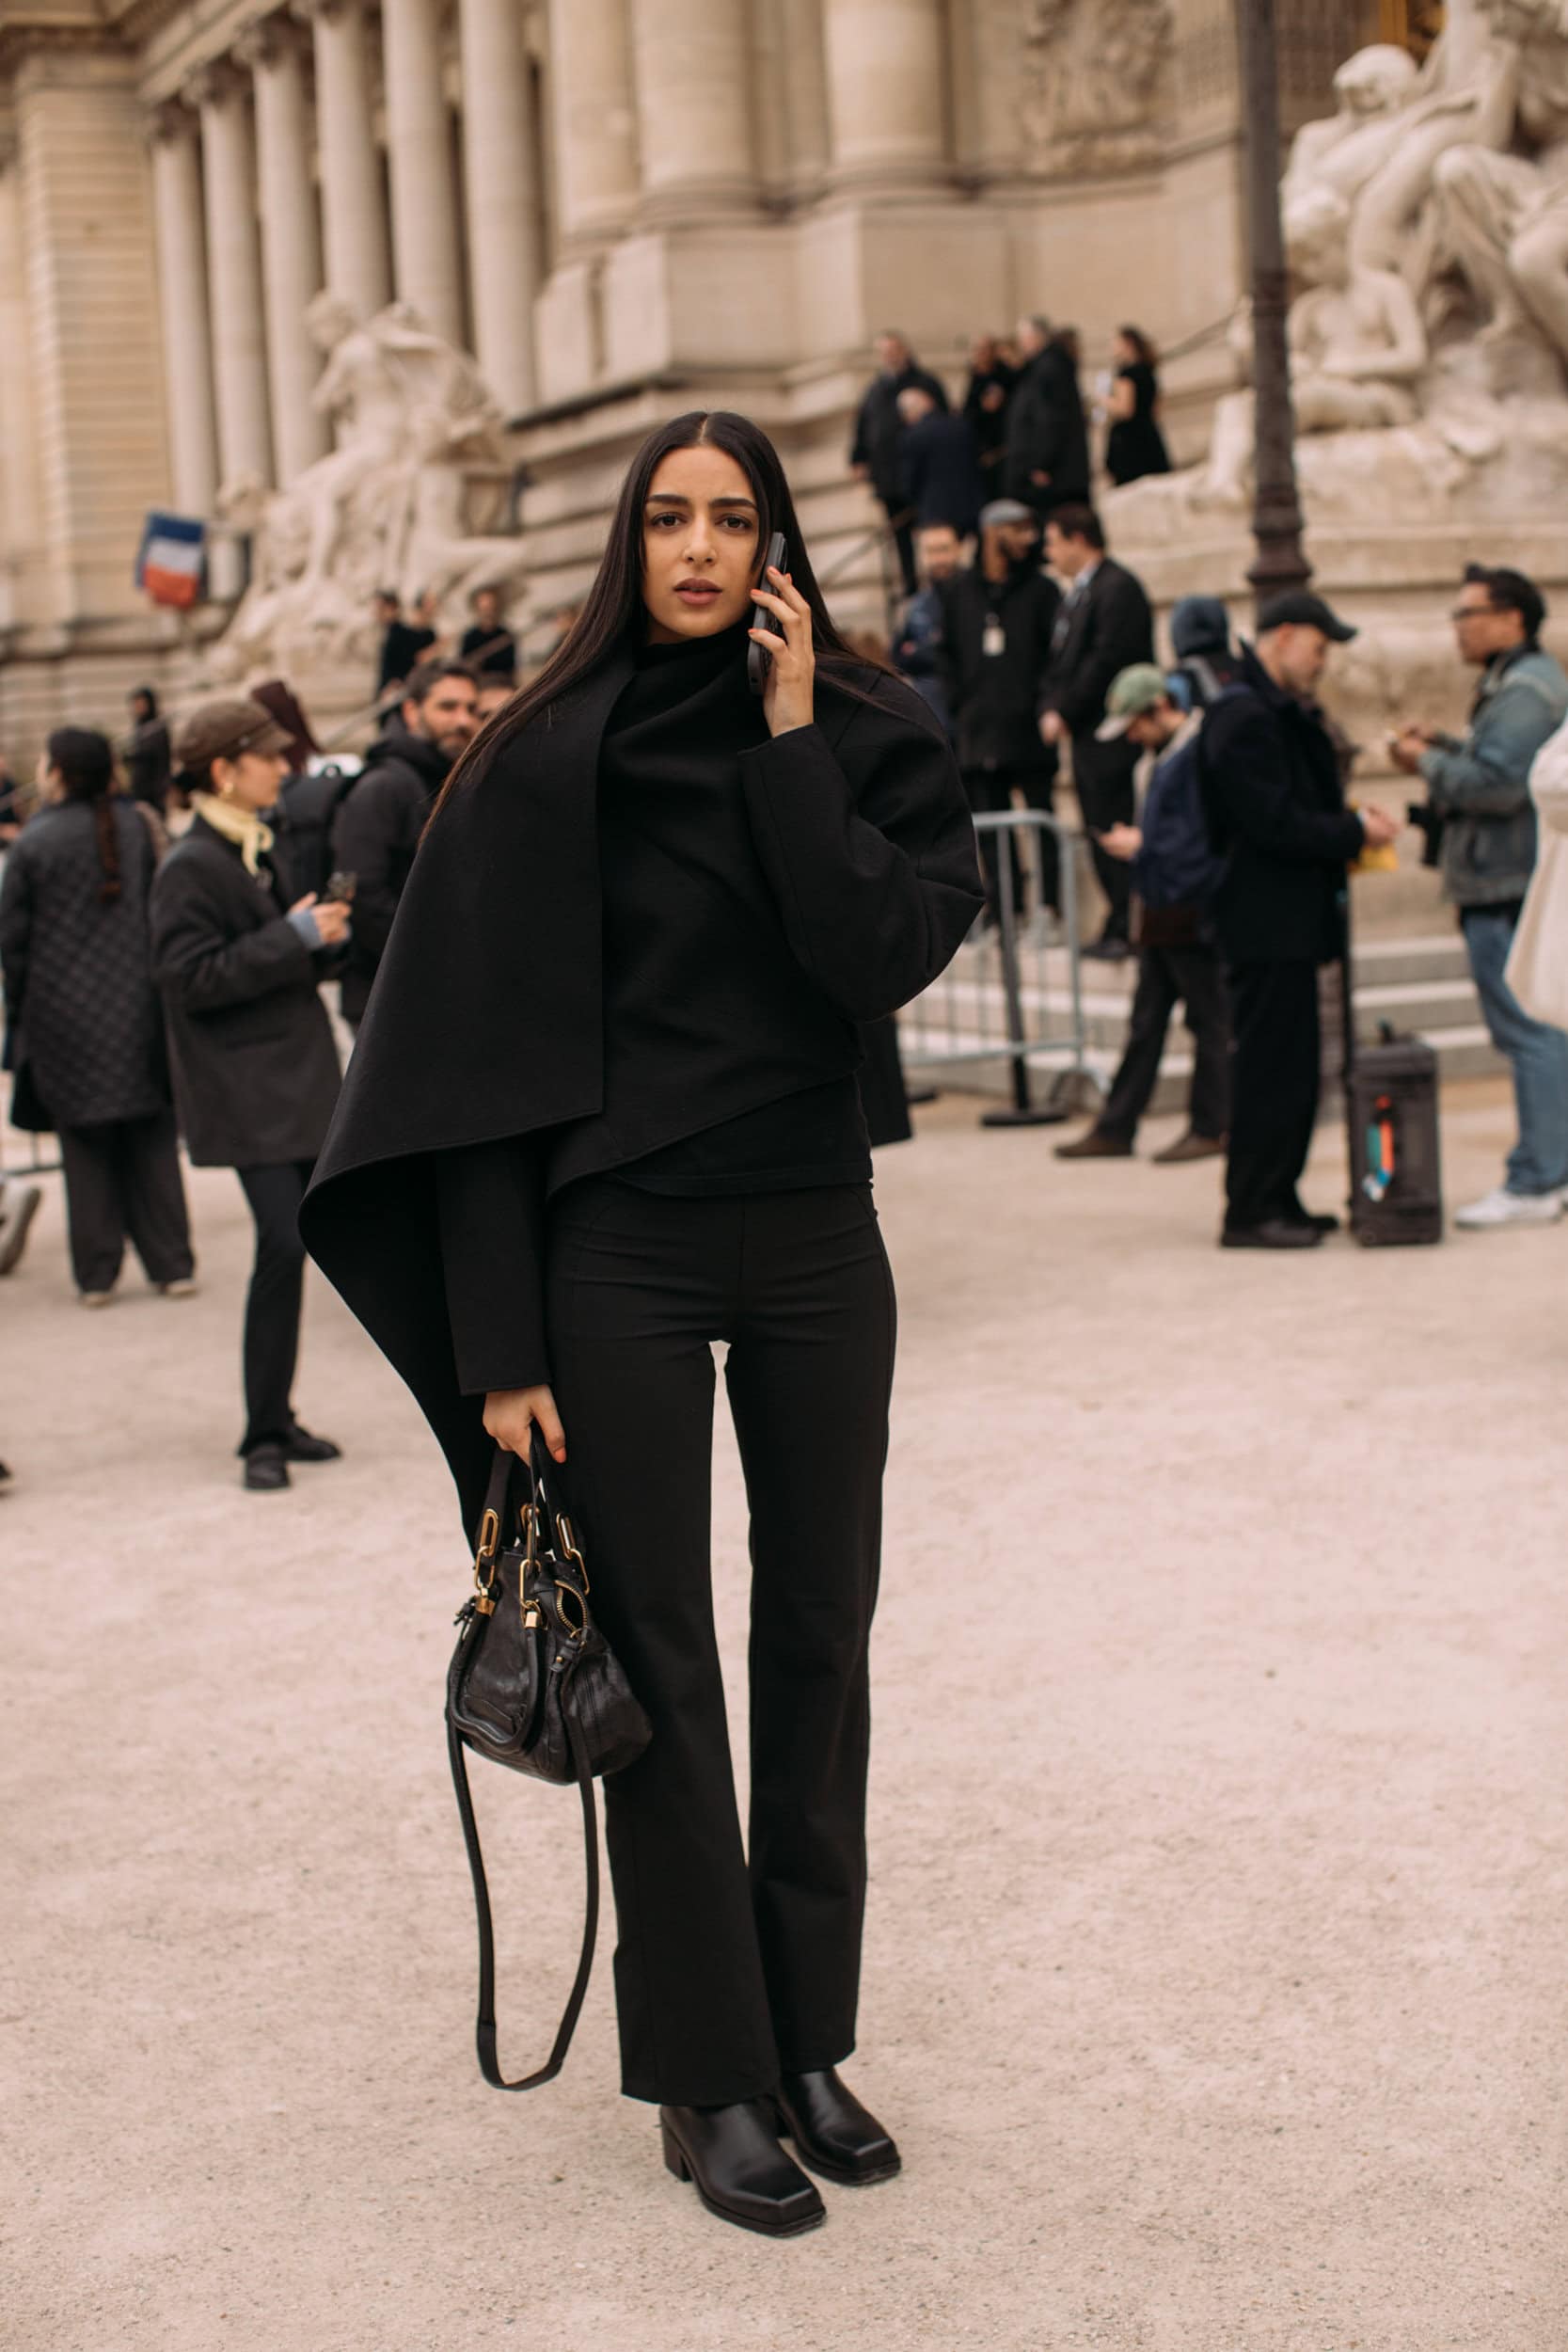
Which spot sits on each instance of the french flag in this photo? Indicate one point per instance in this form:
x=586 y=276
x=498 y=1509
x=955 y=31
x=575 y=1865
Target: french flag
x=170 y=559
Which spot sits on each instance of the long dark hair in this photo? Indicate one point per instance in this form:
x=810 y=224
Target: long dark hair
x=614 y=611
x=85 y=763
x=1142 y=347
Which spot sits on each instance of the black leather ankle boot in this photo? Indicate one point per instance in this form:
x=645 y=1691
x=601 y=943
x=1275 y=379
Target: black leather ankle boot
x=732 y=2155
x=832 y=2130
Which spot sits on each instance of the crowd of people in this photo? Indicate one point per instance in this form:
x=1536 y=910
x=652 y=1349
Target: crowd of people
x=154 y=990
x=1021 y=431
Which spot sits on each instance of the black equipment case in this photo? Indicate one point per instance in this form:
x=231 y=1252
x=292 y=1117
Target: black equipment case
x=1391 y=1113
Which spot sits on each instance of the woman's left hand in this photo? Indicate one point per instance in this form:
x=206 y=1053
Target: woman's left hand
x=786 y=698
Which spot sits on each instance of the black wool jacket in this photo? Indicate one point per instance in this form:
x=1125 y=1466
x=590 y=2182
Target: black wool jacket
x=1046 y=433
x=842 y=877
x=995 y=698
x=1277 y=808
x=255 y=1067
x=374 y=835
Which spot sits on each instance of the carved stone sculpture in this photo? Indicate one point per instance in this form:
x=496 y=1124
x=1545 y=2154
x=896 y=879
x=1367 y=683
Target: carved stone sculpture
x=416 y=431
x=1093 y=74
x=1426 y=224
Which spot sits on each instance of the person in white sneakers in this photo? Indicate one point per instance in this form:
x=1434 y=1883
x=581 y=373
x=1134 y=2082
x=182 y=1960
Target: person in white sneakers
x=1478 y=789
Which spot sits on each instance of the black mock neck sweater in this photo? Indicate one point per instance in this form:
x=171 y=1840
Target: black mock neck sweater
x=726 y=1070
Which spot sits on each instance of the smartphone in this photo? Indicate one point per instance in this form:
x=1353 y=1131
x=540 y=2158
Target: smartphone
x=339 y=890
x=758 y=660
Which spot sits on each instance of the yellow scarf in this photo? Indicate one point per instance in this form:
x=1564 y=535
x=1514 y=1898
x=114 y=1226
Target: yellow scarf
x=240 y=826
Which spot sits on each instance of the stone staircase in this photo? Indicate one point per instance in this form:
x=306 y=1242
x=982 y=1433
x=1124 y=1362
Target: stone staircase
x=1418 y=984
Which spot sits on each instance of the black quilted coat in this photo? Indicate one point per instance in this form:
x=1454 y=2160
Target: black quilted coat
x=84 y=1026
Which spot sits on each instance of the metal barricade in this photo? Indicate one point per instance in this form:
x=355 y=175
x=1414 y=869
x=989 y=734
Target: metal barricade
x=1014 y=993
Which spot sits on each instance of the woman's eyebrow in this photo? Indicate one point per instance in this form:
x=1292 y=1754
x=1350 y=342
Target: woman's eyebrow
x=674 y=497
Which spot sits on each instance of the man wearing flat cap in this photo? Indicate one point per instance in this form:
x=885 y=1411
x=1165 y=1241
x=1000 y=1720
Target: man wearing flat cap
x=1276 y=813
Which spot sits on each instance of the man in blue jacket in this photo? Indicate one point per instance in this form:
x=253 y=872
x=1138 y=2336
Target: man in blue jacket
x=1175 y=873
x=1482 y=814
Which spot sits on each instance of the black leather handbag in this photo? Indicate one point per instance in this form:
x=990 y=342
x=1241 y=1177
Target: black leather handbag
x=533 y=1685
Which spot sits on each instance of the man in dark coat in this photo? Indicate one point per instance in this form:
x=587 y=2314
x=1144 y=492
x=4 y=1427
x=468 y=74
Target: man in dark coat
x=487 y=645
x=991 y=379
x=874 y=453
x=403 y=643
x=1105 y=626
x=379 y=823
x=942 y=465
x=1048 y=438
x=992 y=658
x=1276 y=811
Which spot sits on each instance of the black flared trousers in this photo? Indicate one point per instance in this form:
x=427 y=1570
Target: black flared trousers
x=734 y=1963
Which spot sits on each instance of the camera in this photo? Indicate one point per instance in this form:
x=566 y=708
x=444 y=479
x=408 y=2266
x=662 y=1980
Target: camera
x=1428 y=823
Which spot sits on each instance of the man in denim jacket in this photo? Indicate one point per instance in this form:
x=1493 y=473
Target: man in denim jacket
x=1479 y=790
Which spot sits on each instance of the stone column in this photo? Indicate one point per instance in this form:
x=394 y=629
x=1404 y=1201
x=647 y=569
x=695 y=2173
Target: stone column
x=234 y=275
x=499 y=188
x=182 y=302
x=426 y=258
x=290 y=247
x=21 y=521
x=884 y=61
x=95 y=395
x=354 y=211
x=595 y=121
x=692 y=67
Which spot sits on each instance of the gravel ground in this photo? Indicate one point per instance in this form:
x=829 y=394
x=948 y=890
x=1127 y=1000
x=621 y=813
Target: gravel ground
x=1214 y=1969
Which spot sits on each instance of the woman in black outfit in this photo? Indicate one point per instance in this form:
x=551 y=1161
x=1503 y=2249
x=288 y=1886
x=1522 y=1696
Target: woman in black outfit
x=84 y=1030
x=255 y=1067
x=603 y=1112
x=1135 y=445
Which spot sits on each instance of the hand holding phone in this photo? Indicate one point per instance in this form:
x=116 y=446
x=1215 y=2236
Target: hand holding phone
x=758 y=660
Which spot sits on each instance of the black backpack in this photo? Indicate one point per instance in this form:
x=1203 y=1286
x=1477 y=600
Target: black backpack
x=308 y=806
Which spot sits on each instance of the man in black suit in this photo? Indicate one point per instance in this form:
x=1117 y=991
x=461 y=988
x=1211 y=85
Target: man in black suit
x=1047 y=464
x=877 y=453
x=991 y=657
x=1103 y=628
x=1276 y=811
x=941 y=460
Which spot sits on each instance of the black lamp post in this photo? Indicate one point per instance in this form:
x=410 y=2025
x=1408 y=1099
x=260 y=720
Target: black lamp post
x=1280 y=560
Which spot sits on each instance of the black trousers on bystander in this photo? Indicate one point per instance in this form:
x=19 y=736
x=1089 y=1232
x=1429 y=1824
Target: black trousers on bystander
x=1168 y=977
x=123 y=1179
x=734 y=1963
x=271 y=1347
x=1275 y=1074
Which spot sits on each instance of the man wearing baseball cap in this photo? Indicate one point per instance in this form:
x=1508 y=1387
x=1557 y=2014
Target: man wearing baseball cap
x=1175 y=873
x=1276 y=813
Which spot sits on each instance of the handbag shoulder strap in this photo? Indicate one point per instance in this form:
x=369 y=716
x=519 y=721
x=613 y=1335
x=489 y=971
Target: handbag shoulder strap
x=484 y=2024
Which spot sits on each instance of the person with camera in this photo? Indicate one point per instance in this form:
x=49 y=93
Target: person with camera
x=1480 y=827
x=254 y=1064
x=1277 y=816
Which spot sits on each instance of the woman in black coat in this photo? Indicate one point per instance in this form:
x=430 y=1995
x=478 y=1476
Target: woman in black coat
x=85 y=1031
x=254 y=1066
x=1135 y=446
x=603 y=1112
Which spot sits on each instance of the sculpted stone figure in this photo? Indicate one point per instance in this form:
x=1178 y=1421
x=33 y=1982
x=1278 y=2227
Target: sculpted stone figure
x=1506 y=214
x=413 y=422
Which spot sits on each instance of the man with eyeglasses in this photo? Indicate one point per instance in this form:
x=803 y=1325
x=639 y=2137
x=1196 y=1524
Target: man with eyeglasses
x=1481 y=821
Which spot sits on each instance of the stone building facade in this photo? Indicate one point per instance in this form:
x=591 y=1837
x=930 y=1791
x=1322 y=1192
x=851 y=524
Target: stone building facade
x=620 y=206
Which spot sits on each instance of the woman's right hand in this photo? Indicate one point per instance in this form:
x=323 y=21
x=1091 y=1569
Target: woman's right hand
x=509 y=1417
x=332 y=917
